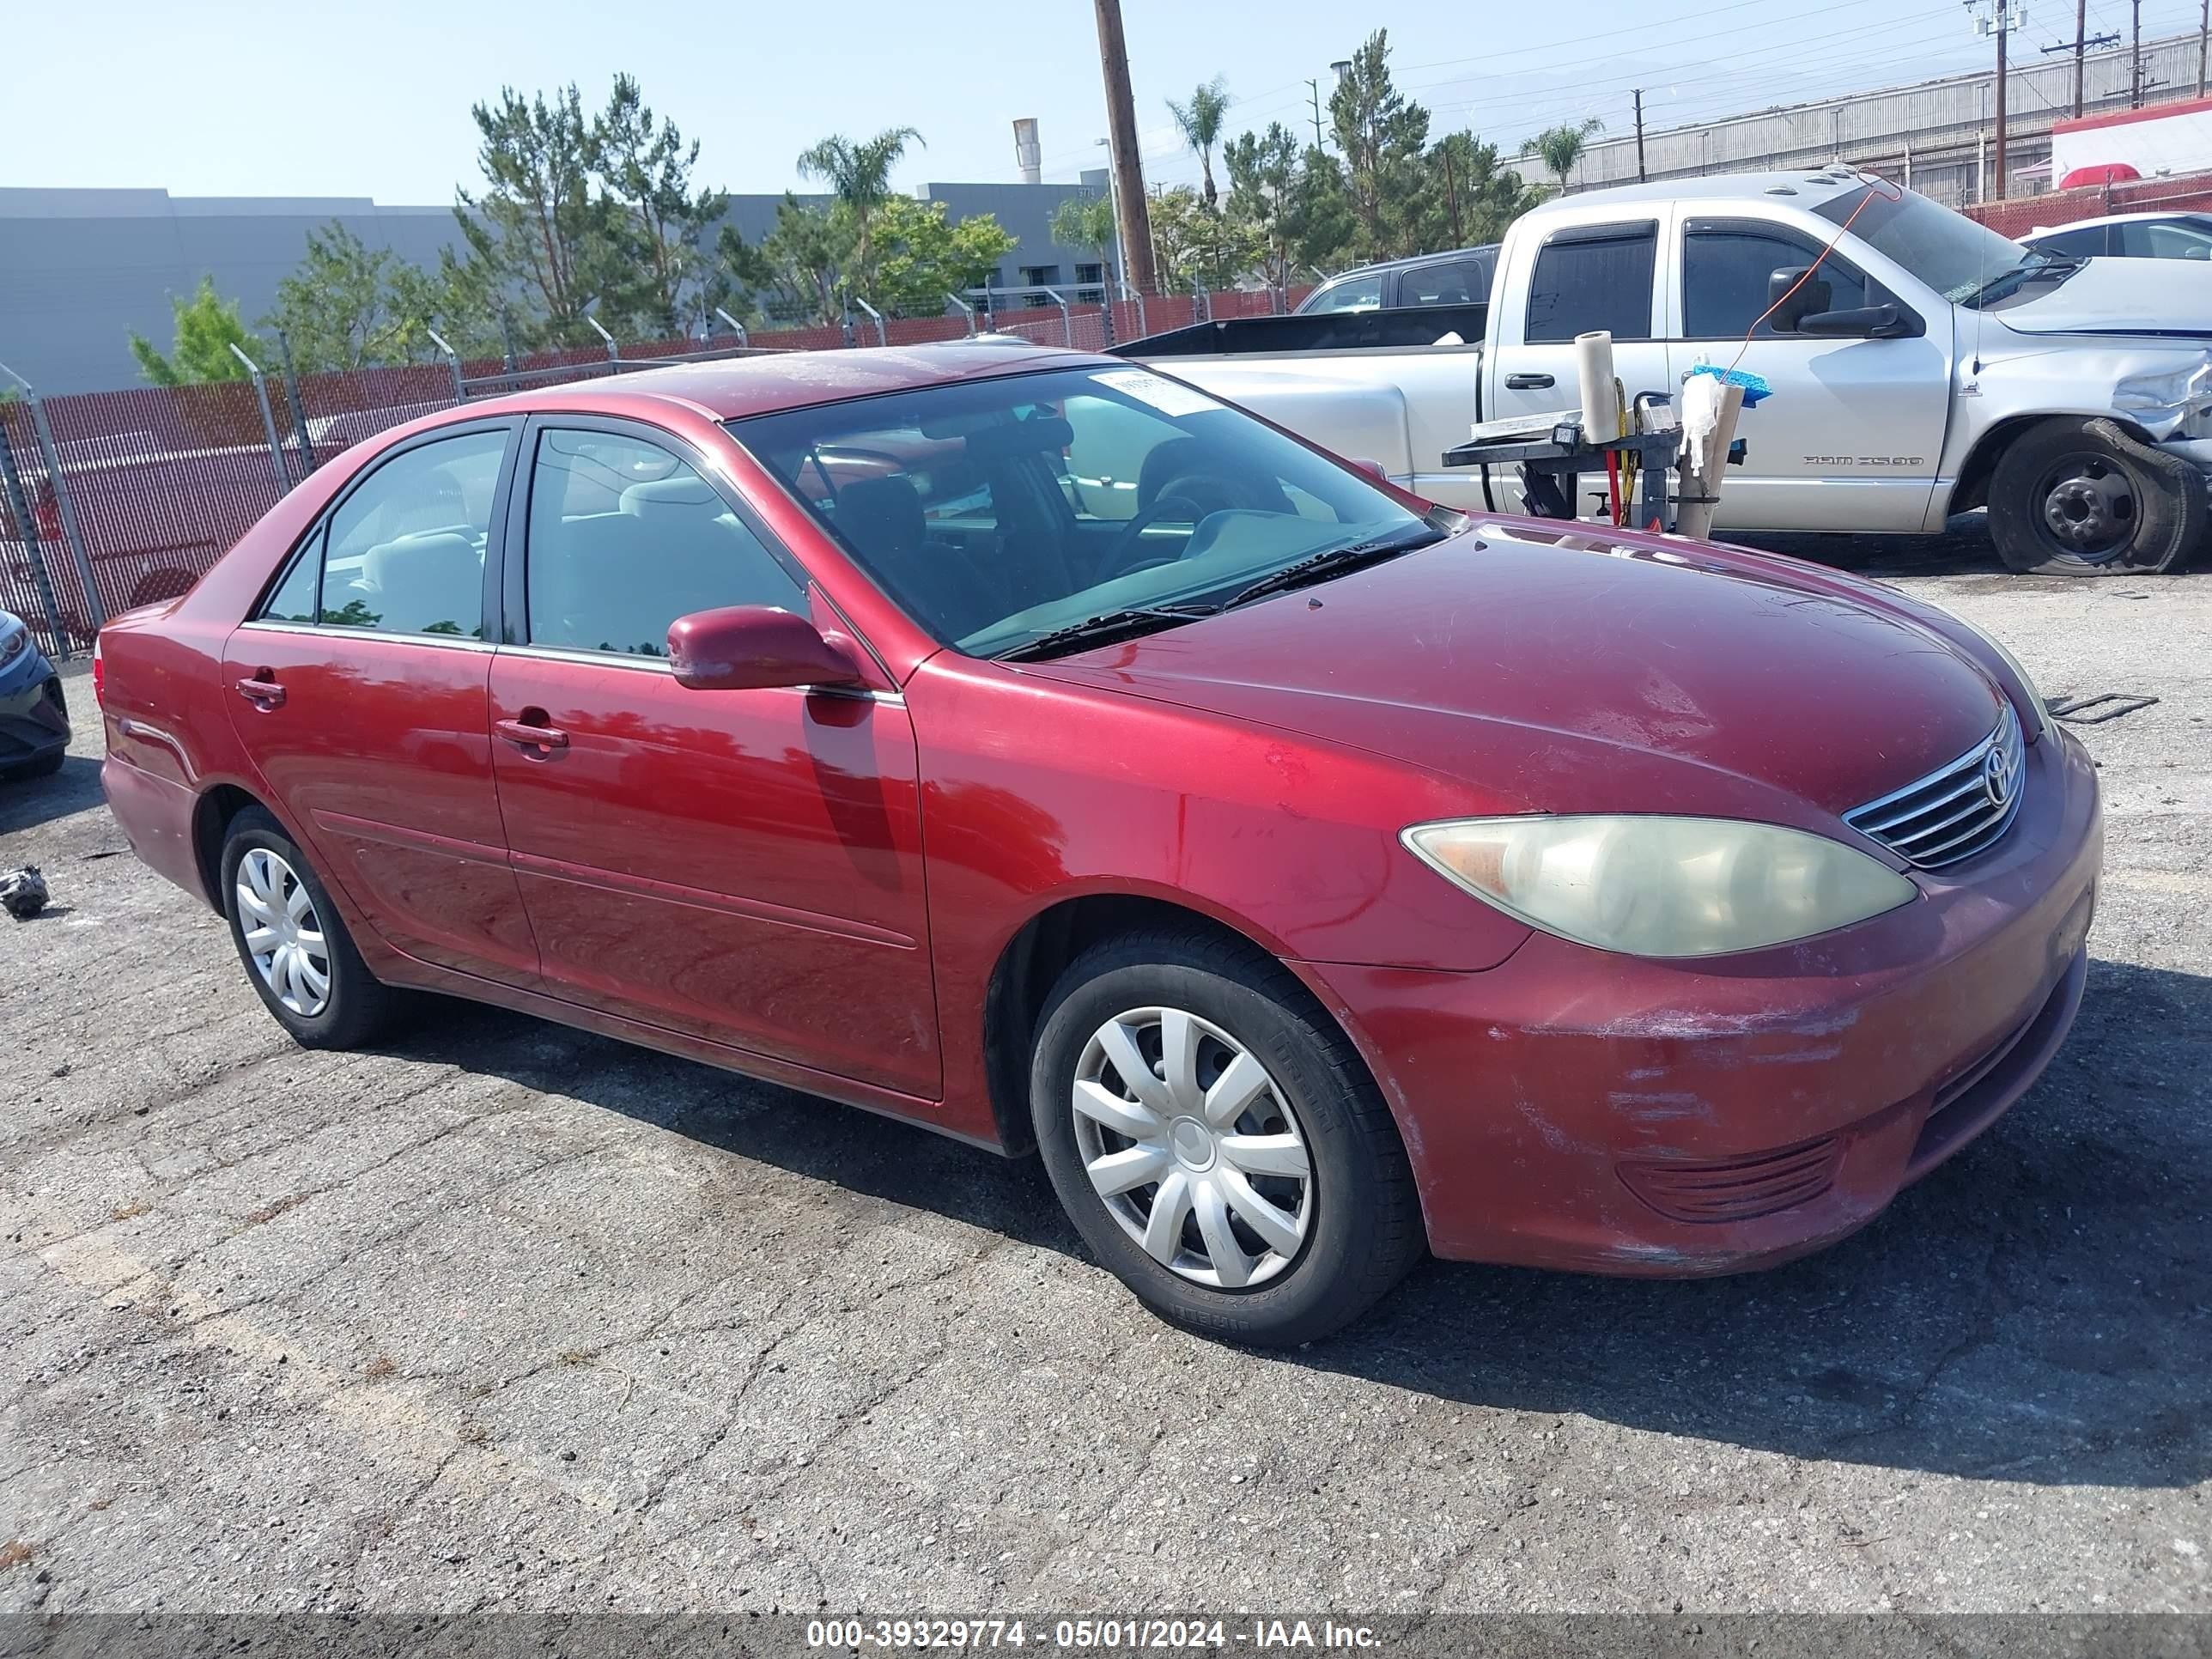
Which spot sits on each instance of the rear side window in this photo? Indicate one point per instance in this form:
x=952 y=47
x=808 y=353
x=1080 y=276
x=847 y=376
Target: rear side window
x=1461 y=283
x=404 y=552
x=625 y=537
x=293 y=601
x=1725 y=272
x=1593 y=279
x=2154 y=239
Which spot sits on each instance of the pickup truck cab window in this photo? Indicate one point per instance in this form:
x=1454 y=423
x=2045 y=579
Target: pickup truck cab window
x=624 y=537
x=1725 y=269
x=1596 y=276
x=1349 y=293
x=1455 y=282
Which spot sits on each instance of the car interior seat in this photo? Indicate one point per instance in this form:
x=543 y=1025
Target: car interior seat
x=423 y=584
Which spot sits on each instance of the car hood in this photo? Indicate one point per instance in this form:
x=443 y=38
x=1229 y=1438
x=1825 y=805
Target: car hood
x=1555 y=669
x=2166 y=298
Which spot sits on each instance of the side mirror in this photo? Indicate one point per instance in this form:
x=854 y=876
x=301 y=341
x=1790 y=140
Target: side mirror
x=1814 y=296
x=744 y=647
x=1883 y=322
x=1370 y=465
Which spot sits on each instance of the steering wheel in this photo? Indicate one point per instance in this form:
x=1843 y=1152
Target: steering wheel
x=1190 y=493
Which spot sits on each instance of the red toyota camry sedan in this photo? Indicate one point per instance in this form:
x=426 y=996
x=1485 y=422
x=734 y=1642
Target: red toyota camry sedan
x=1033 y=747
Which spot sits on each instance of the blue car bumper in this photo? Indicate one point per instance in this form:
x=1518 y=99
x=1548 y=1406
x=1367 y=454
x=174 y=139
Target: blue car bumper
x=33 y=714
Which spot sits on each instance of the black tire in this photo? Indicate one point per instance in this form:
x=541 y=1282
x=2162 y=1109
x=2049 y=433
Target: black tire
x=45 y=767
x=357 y=1005
x=2084 y=498
x=1362 y=1219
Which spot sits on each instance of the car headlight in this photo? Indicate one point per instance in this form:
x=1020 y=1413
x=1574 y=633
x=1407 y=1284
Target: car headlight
x=1661 y=886
x=2169 y=402
x=14 y=637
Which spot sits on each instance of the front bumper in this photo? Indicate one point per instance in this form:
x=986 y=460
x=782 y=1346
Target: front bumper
x=33 y=719
x=1576 y=1110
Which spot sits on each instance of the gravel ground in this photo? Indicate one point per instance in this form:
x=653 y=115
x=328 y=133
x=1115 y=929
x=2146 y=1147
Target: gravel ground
x=507 y=1314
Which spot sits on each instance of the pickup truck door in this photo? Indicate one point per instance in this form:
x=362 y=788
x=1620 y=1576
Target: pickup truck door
x=1584 y=277
x=1852 y=435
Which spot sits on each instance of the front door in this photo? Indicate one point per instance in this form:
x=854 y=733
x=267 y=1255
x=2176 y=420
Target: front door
x=740 y=865
x=359 y=690
x=1853 y=434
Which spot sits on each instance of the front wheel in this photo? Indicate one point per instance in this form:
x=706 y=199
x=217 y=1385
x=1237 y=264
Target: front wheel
x=2085 y=498
x=1218 y=1142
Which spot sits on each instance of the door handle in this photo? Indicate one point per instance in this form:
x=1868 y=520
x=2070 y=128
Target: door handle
x=1528 y=382
x=261 y=690
x=531 y=734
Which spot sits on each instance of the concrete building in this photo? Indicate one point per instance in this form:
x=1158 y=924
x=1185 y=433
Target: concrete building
x=1937 y=134
x=82 y=270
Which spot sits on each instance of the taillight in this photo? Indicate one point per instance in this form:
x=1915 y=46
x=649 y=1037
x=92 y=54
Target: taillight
x=99 y=673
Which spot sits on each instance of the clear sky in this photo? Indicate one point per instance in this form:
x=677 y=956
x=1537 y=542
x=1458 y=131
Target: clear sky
x=340 y=98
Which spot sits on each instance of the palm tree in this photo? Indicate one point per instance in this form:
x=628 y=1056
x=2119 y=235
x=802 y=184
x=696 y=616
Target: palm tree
x=1087 y=221
x=860 y=176
x=1200 y=121
x=1561 y=146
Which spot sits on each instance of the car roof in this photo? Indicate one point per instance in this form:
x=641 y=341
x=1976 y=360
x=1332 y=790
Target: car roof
x=729 y=388
x=1412 y=261
x=1811 y=187
x=2120 y=219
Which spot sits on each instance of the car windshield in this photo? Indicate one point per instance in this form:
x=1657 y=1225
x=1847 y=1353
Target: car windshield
x=1000 y=511
x=1959 y=260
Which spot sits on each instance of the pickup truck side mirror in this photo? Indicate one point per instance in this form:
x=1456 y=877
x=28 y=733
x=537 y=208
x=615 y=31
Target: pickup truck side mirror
x=1814 y=296
x=1882 y=322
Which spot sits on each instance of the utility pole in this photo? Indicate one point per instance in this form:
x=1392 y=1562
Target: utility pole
x=2134 y=75
x=1640 y=174
x=1132 y=220
x=2203 y=37
x=1314 y=88
x=2081 y=42
x=2004 y=17
x=2081 y=45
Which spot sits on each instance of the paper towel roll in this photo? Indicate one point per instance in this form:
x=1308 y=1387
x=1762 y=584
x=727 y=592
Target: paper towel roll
x=1601 y=398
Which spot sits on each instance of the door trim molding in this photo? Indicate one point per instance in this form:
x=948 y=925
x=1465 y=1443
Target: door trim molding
x=698 y=898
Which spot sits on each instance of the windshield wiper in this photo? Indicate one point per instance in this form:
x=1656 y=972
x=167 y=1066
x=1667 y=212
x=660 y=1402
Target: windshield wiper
x=1318 y=567
x=1108 y=624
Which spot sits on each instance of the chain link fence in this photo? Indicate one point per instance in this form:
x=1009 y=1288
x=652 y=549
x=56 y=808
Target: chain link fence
x=110 y=499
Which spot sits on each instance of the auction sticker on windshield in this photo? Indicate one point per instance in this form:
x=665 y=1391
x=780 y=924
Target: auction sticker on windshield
x=1166 y=396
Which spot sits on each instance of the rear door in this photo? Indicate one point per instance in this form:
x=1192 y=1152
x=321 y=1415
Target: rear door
x=1584 y=277
x=740 y=865
x=360 y=688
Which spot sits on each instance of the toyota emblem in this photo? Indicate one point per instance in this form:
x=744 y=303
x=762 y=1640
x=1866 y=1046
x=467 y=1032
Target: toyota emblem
x=1997 y=776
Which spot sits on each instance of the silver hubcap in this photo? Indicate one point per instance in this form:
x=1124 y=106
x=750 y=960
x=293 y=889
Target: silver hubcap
x=1195 y=1151
x=284 y=934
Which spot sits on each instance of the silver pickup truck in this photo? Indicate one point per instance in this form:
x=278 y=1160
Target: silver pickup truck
x=1927 y=368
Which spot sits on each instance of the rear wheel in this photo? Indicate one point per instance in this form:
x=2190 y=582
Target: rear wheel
x=2085 y=498
x=1218 y=1142
x=294 y=943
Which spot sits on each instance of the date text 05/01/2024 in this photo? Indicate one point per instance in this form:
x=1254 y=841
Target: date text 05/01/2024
x=1261 y=1635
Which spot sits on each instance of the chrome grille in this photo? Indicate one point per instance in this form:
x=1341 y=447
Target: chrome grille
x=1955 y=812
